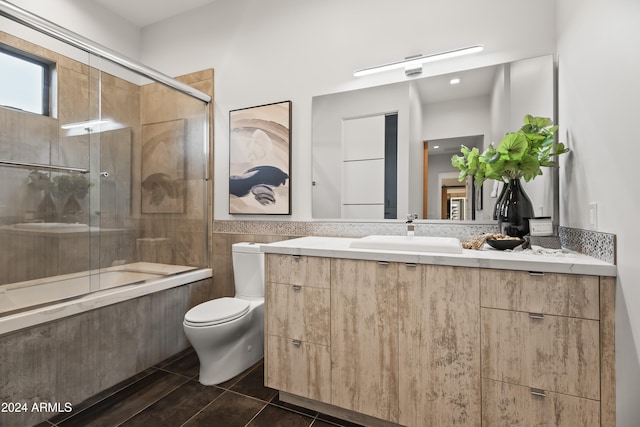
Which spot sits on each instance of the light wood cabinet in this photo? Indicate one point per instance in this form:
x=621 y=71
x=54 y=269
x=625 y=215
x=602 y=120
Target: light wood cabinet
x=390 y=343
x=297 y=325
x=364 y=337
x=555 y=353
x=542 y=349
x=296 y=367
x=439 y=345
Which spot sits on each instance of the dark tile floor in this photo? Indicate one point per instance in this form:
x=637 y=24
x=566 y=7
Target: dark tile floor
x=170 y=395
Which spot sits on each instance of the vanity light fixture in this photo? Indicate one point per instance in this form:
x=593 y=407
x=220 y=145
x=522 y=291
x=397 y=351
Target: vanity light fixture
x=411 y=68
x=88 y=124
x=454 y=81
x=411 y=63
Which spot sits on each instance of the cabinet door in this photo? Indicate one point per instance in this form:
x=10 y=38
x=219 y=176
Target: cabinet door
x=299 y=368
x=561 y=354
x=439 y=346
x=298 y=312
x=510 y=405
x=364 y=337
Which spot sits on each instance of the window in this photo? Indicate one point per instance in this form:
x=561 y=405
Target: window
x=24 y=82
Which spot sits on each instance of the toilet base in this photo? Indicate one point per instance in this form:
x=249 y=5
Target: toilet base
x=228 y=349
x=238 y=358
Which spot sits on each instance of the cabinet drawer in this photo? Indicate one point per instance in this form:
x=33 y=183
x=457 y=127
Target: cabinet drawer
x=299 y=368
x=559 y=354
x=511 y=405
x=549 y=293
x=298 y=270
x=298 y=312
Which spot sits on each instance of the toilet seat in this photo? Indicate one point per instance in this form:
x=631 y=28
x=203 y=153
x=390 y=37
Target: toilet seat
x=217 y=311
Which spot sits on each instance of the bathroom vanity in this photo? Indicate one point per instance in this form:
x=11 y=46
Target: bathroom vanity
x=384 y=337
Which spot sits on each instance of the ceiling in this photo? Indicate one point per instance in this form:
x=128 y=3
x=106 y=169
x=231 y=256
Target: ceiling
x=146 y=12
x=451 y=146
x=474 y=82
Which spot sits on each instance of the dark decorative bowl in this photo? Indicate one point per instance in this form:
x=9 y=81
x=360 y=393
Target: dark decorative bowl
x=502 y=244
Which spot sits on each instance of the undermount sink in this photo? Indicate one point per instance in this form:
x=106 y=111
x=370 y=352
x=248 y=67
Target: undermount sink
x=450 y=245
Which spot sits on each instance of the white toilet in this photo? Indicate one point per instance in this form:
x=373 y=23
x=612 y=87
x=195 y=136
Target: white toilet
x=228 y=333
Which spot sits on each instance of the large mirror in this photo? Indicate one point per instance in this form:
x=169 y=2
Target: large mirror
x=385 y=152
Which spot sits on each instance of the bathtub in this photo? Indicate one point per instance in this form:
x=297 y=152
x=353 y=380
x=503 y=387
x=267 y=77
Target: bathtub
x=61 y=296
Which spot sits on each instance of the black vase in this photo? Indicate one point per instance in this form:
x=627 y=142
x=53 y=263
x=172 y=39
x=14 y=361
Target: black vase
x=498 y=206
x=47 y=210
x=71 y=209
x=515 y=210
x=72 y=206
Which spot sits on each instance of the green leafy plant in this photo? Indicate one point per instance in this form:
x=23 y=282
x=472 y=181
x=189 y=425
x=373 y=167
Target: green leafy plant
x=39 y=181
x=77 y=185
x=520 y=154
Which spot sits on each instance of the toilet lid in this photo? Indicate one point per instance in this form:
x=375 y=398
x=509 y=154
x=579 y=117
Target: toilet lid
x=220 y=310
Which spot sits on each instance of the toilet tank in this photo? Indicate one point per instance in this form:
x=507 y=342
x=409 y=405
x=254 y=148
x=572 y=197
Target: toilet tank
x=248 y=270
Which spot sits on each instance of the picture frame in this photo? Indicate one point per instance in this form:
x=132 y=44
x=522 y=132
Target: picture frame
x=260 y=159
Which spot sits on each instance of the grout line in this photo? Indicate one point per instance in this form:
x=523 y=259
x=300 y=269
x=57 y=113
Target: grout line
x=205 y=407
x=315 y=419
x=193 y=377
x=107 y=396
x=160 y=397
x=238 y=378
x=257 y=413
x=250 y=397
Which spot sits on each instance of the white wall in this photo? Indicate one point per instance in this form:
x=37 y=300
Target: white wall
x=460 y=117
x=531 y=91
x=599 y=101
x=287 y=49
x=86 y=18
x=416 y=155
x=500 y=105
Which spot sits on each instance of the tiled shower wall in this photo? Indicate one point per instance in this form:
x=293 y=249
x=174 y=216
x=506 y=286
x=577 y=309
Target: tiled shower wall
x=39 y=139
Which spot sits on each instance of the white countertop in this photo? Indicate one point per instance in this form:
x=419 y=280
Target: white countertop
x=338 y=247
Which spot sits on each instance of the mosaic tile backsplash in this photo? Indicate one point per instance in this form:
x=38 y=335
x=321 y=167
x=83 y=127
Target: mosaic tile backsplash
x=596 y=244
x=351 y=229
x=593 y=243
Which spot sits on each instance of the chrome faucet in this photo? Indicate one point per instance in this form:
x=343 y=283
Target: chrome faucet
x=411 y=228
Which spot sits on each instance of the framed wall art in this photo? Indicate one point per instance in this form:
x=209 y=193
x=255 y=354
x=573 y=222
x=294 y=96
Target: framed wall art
x=260 y=159
x=162 y=164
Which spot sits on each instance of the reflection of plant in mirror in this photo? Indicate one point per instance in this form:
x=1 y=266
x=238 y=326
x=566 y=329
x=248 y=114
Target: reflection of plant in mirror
x=77 y=185
x=520 y=154
x=39 y=181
